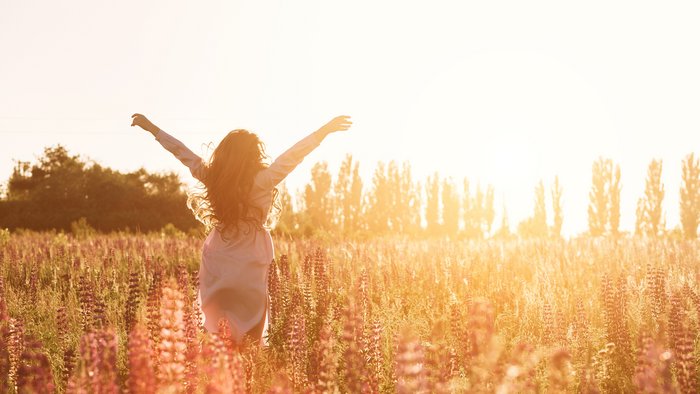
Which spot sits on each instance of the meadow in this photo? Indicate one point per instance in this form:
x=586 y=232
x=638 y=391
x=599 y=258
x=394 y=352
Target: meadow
x=117 y=313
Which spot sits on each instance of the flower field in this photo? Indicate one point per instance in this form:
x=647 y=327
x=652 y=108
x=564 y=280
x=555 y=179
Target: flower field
x=118 y=313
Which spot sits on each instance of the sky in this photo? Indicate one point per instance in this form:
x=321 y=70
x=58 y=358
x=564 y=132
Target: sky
x=503 y=93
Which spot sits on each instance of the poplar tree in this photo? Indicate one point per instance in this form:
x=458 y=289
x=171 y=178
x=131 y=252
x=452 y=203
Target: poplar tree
x=405 y=208
x=536 y=225
x=539 y=217
x=489 y=210
x=286 y=223
x=432 y=204
x=690 y=197
x=614 y=195
x=341 y=190
x=354 y=220
x=318 y=199
x=649 y=206
x=598 y=205
x=410 y=201
x=348 y=196
x=395 y=199
x=558 y=219
x=503 y=231
x=470 y=212
x=639 y=213
x=477 y=211
x=450 y=208
x=378 y=201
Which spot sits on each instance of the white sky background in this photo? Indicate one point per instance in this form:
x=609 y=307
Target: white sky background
x=505 y=93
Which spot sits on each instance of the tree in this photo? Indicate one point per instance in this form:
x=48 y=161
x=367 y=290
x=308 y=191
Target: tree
x=478 y=211
x=614 y=195
x=471 y=214
x=287 y=221
x=503 y=231
x=432 y=204
x=598 y=205
x=471 y=211
x=417 y=210
x=450 y=208
x=489 y=213
x=540 y=214
x=379 y=201
x=649 y=206
x=318 y=199
x=536 y=225
x=62 y=188
x=557 y=208
x=347 y=196
x=355 y=197
x=690 y=197
x=604 y=199
x=639 y=213
x=409 y=193
x=396 y=215
x=20 y=183
x=340 y=191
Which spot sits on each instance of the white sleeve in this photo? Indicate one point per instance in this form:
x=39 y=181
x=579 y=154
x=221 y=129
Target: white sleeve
x=182 y=153
x=287 y=161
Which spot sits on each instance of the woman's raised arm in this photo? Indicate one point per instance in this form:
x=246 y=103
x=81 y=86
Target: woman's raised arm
x=173 y=145
x=287 y=161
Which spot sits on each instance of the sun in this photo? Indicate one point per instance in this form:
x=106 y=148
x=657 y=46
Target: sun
x=511 y=119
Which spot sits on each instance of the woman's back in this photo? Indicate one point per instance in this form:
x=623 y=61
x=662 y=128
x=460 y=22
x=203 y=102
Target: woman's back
x=235 y=258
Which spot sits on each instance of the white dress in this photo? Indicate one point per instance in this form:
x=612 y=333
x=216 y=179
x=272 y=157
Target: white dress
x=233 y=271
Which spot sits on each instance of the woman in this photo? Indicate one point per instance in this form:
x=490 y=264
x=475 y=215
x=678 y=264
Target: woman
x=235 y=205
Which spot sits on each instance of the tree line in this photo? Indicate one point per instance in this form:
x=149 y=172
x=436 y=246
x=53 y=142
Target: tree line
x=396 y=203
x=61 y=189
x=604 y=205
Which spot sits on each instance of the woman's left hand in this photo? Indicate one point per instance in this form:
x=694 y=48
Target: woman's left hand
x=339 y=123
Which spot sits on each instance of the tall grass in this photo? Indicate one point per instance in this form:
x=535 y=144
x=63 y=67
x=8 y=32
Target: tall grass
x=118 y=313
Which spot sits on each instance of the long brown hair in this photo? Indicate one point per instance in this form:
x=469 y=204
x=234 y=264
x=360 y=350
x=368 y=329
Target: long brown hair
x=223 y=201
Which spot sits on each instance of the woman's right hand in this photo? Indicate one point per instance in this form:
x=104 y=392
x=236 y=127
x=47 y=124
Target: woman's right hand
x=339 y=123
x=144 y=123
